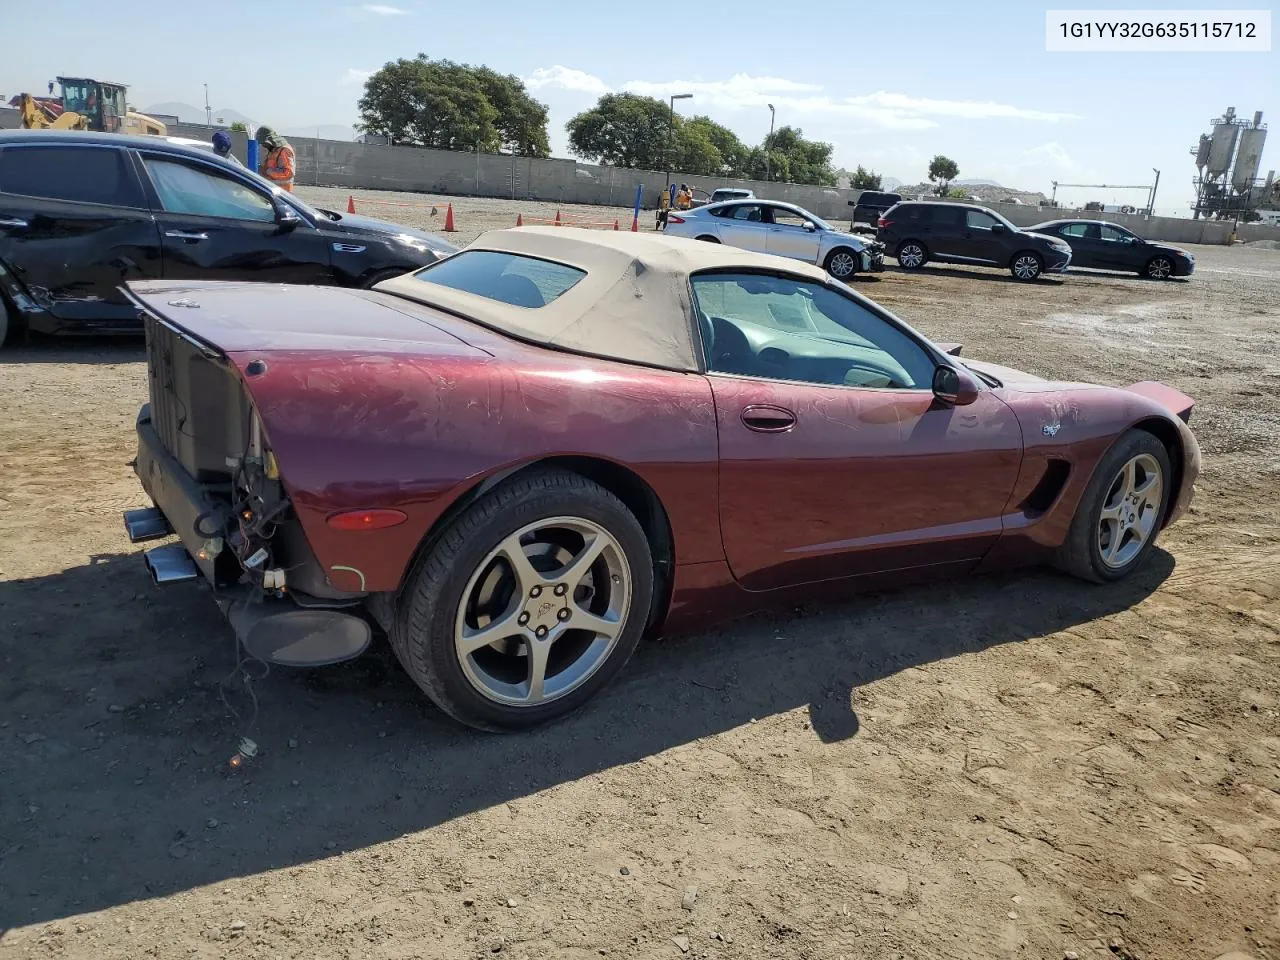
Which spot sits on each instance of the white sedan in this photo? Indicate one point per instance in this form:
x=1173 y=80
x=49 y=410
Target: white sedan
x=782 y=229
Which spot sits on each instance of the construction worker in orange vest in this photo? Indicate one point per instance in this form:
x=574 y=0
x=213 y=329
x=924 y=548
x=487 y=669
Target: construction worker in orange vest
x=279 y=165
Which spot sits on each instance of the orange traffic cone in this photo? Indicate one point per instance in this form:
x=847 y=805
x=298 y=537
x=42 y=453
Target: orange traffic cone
x=351 y=204
x=635 y=224
x=615 y=223
x=448 y=220
x=519 y=219
x=557 y=218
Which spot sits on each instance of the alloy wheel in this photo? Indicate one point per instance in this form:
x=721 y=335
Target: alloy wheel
x=543 y=611
x=1159 y=269
x=1026 y=267
x=1130 y=511
x=911 y=255
x=841 y=265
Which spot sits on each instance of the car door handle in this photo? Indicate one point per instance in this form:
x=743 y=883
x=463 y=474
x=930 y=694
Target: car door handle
x=766 y=418
x=184 y=235
x=13 y=223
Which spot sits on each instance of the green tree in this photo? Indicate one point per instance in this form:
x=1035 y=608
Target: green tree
x=239 y=127
x=788 y=157
x=942 y=170
x=624 y=130
x=452 y=106
x=733 y=152
x=522 y=120
x=695 y=153
x=864 y=179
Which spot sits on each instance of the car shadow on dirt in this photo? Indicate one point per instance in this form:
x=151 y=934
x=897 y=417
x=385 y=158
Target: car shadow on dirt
x=995 y=274
x=117 y=349
x=115 y=740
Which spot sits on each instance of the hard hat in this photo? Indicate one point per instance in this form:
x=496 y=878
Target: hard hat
x=222 y=141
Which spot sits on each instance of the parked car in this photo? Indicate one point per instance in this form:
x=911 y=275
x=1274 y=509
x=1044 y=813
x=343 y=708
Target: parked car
x=782 y=229
x=722 y=194
x=524 y=457
x=1109 y=246
x=82 y=212
x=870 y=205
x=917 y=232
x=206 y=145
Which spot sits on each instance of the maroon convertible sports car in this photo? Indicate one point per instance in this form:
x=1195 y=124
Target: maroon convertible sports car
x=522 y=458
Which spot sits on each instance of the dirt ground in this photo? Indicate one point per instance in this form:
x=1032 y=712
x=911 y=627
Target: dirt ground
x=1017 y=766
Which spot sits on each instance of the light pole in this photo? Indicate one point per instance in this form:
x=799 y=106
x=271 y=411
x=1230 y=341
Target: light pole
x=768 y=172
x=208 y=111
x=1151 y=207
x=671 y=124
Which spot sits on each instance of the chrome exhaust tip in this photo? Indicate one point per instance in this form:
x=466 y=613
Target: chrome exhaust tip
x=170 y=564
x=146 y=524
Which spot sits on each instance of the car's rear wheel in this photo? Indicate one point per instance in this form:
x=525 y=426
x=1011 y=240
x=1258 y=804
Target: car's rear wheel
x=709 y=239
x=10 y=324
x=531 y=601
x=1121 y=512
x=1026 y=265
x=842 y=263
x=912 y=255
x=370 y=282
x=1159 y=268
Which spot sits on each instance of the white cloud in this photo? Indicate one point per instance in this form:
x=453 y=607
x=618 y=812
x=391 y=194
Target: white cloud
x=354 y=77
x=565 y=78
x=383 y=10
x=800 y=101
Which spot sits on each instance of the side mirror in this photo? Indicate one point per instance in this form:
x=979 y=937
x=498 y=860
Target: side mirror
x=285 y=217
x=810 y=226
x=954 y=386
x=997 y=228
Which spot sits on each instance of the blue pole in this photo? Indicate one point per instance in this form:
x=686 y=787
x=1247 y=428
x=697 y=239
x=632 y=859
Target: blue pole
x=251 y=155
x=635 y=214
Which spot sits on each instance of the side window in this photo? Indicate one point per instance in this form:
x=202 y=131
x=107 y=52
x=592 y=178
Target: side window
x=748 y=211
x=1112 y=234
x=977 y=220
x=1075 y=230
x=788 y=218
x=189 y=189
x=775 y=327
x=74 y=174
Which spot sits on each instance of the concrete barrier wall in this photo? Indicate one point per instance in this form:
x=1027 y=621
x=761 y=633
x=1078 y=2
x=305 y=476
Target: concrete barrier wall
x=361 y=166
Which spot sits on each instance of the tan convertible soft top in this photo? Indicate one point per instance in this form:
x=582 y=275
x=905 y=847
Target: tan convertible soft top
x=632 y=305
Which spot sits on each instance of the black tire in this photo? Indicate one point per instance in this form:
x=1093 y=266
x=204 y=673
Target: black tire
x=423 y=628
x=1026 y=265
x=837 y=258
x=1081 y=554
x=1158 y=268
x=708 y=238
x=372 y=281
x=10 y=323
x=915 y=252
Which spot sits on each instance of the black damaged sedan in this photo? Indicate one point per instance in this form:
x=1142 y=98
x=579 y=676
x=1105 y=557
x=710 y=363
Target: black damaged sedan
x=82 y=213
x=1109 y=246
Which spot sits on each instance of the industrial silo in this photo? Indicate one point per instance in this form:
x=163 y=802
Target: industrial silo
x=1223 y=147
x=1202 y=151
x=1249 y=156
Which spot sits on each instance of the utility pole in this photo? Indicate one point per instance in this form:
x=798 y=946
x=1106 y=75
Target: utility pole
x=1151 y=207
x=671 y=123
x=208 y=111
x=773 y=115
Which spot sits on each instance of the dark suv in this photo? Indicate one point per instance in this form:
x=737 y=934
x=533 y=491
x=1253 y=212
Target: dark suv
x=917 y=232
x=870 y=205
x=83 y=213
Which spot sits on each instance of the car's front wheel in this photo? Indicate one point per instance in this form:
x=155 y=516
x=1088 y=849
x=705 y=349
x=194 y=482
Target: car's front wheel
x=912 y=255
x=531 y=601
x=1160 y=268
x=1026 y=266
x=1121 y=511
x=707 y=238
x=842 y=263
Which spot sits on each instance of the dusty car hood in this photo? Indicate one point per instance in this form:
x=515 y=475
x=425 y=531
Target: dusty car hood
x=1006 y=375
x=369 y=226
x=852 y=239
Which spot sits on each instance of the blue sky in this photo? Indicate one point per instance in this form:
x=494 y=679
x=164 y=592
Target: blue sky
x=889 y=87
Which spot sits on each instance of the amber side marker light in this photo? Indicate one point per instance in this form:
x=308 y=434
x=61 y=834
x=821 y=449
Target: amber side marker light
x=366 y=519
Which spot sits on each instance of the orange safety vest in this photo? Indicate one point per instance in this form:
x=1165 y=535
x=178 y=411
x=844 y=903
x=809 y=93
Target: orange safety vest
x=279 y=168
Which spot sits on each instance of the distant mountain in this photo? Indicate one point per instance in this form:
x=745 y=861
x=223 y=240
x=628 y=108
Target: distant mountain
x=185 y=112
x=975 y=182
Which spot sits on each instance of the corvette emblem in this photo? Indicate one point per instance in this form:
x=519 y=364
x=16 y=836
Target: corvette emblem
x=1051 y=430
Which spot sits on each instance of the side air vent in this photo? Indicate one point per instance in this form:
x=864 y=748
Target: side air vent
x=1047 y=489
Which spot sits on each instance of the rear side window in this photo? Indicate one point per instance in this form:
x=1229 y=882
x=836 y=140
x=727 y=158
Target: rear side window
x=506 y=277
x=74 y=174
